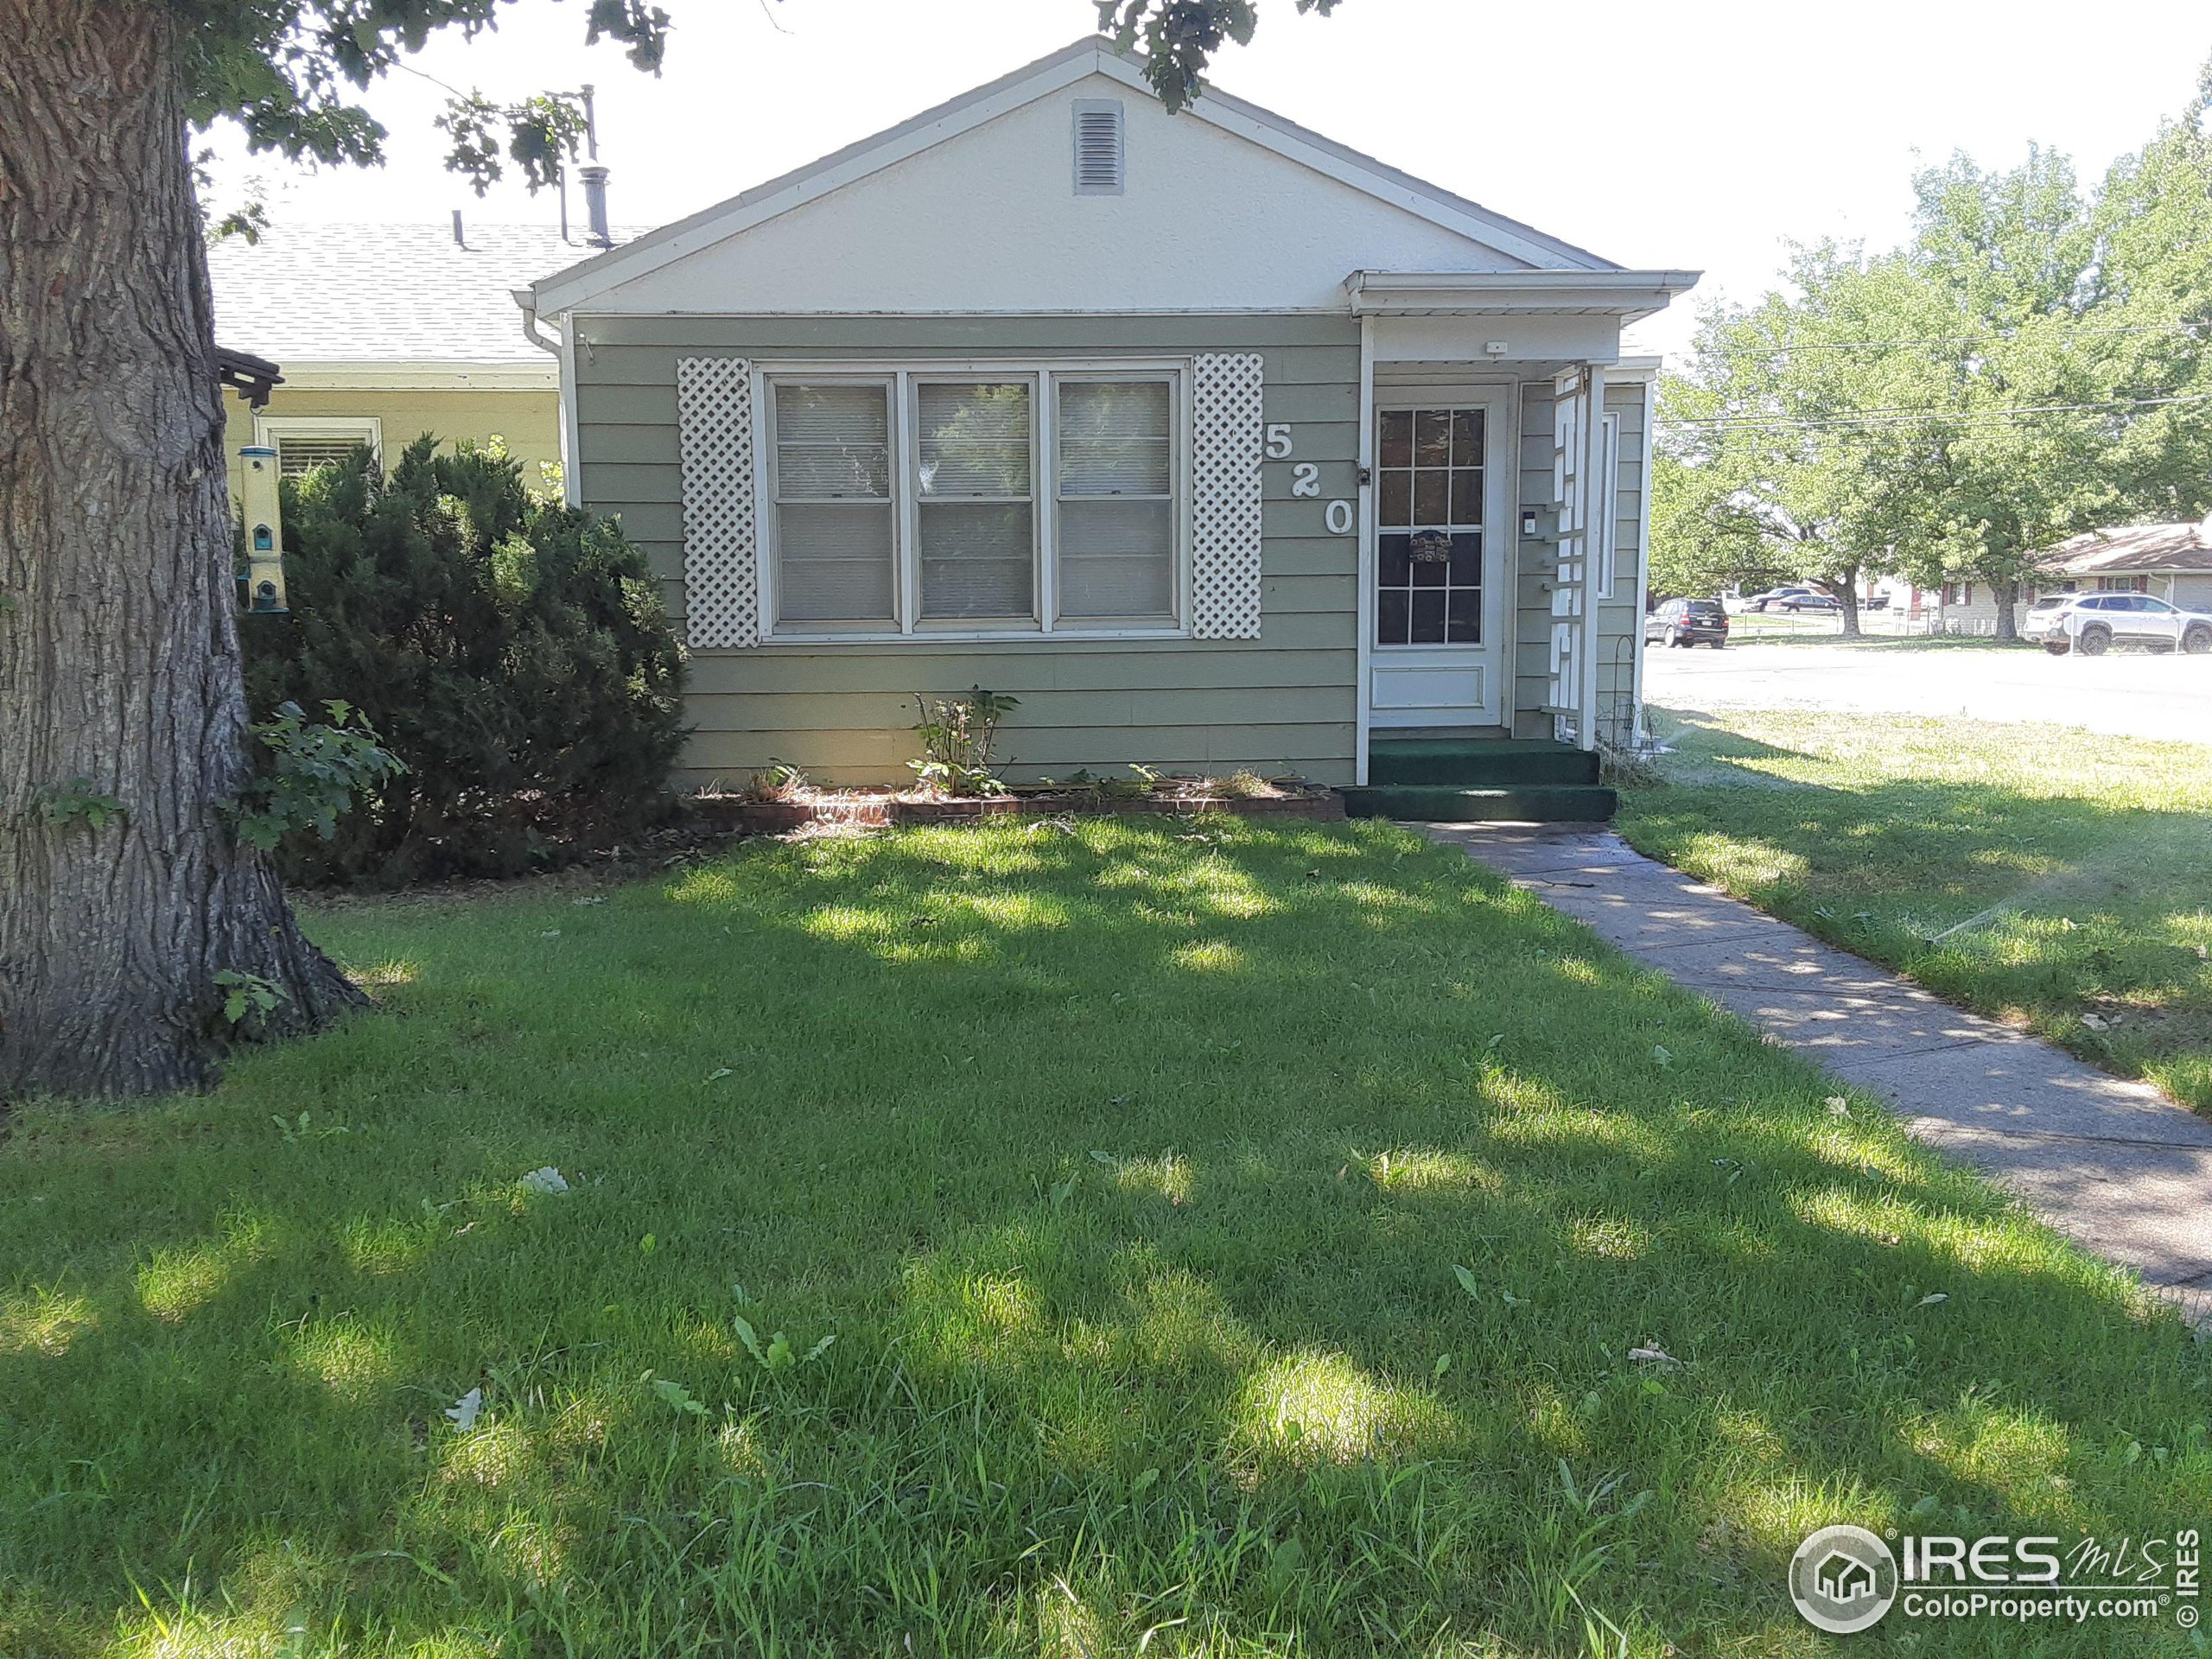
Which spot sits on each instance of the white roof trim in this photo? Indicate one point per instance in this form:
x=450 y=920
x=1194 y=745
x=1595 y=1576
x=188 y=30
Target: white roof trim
x=534 y=374
x=565 y=290
x=1628 y=294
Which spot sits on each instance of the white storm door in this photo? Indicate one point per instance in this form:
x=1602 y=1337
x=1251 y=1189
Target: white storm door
x=1437 y=654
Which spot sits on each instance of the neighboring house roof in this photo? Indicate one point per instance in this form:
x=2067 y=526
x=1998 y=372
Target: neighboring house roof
x=382 y=293
x=2134 y=549
x=1529 y=248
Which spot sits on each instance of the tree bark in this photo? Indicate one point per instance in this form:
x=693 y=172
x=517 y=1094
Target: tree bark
x=1846 y=589
x=118 y=641
x=2005 y=594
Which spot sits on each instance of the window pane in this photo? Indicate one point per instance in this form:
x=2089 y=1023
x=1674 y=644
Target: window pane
x=1113 y=408
x=1397 y=437
x=1116 y=559
x=1432 y=501
x=1397 y=505
x=1467 y=497
x=1432 y=438
x=1466 y=437
x=977 y=559
x=833 y=562
x=975 y=439
x=832 y=443
x=1114 y=437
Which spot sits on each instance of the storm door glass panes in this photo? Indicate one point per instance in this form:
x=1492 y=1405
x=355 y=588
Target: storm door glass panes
x=1116 y=502
x=977 y=509
x=1428 y=567
x=833 y=503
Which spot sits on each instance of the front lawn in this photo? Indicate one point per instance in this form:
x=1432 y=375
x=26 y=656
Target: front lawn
x=2059 y=879
x=1085 y=1239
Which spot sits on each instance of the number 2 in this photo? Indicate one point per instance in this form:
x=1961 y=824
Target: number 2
x=1305 y=479
x=1279 y=441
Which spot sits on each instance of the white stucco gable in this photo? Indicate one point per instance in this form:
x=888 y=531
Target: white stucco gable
x=973 y=208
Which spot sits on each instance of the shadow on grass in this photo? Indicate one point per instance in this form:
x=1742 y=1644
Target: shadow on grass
x=1994 y=888
x=1227 y=1235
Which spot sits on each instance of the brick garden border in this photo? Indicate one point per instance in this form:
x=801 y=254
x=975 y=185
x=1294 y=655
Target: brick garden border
x=879 y=812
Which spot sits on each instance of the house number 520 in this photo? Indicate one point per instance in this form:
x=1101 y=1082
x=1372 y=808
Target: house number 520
x=1306 y=480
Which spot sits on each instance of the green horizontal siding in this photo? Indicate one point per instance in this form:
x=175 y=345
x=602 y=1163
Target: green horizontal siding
x=844 y=712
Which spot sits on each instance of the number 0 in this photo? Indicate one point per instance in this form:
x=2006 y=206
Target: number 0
x=1338 y=516
x=1279 y=441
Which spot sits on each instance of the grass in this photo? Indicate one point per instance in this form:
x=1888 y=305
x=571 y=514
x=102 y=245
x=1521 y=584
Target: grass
x=1134 y=1238
x=2059 y=879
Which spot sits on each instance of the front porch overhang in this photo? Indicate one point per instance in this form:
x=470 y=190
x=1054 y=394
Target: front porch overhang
x=1624 y=296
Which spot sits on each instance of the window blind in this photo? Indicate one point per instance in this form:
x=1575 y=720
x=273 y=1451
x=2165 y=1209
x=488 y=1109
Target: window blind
x=976 y=508
x=1117 y=527
x=833 y=495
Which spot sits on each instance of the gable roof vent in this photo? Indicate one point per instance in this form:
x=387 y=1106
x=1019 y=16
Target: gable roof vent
x=1099 y=159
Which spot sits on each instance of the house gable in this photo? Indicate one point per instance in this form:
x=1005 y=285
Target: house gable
x=976 y=208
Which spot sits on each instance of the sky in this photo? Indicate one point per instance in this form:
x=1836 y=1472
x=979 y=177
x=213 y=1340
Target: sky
x=1691 y=134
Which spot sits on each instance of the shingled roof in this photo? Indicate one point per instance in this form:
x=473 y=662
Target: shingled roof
x=384 y=292
x=2133 y=548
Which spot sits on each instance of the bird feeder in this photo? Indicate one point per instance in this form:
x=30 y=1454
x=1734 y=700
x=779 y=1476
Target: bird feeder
x=264 y=532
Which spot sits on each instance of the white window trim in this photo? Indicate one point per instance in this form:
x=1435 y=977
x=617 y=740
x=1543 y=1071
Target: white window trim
x=901 y=374
x=270 y=430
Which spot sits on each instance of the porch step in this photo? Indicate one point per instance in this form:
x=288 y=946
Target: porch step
x=1477 y=763
x=1447 y=803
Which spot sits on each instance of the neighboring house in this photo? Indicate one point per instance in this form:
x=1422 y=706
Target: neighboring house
x=1217 y=444
x=385 y=332
x=2169 y=561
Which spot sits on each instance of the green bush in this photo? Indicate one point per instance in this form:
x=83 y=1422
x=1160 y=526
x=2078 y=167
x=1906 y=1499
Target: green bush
x=510 y=651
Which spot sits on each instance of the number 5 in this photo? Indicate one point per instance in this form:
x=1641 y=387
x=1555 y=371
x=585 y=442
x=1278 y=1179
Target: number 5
x=1279 y=441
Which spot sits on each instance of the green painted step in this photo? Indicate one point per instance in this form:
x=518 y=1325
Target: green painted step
x=1475 y=764
x=1528 y=803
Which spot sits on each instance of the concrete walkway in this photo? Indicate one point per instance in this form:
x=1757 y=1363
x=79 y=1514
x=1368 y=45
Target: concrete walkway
x=2113 y=1164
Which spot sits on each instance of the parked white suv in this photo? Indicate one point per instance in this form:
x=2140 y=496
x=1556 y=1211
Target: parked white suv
x=2094 y=623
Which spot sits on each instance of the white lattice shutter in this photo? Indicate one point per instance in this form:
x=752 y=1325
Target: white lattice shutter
x=1226 y=450
x=721 y=574
x=1571 y=415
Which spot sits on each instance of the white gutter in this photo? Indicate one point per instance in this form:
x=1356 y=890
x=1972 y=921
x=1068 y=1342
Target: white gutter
x=527 y=299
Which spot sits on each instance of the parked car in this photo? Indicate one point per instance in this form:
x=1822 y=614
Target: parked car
x=1688 y=622
x=1792 y=597
x=2094 y=623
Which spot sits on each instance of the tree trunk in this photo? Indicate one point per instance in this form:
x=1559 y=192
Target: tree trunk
x=1846 y=589
x=118 y=640
x=2006 y=595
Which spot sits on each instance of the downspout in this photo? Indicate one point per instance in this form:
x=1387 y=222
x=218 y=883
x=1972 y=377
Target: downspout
x=527 y=299
x=1643 y=555
x=571 y=485
x=1362 y=555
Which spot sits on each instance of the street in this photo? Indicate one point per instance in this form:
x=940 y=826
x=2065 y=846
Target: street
x=2128 y=693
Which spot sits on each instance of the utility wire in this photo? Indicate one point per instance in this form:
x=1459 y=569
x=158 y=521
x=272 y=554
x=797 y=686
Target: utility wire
x=1909 y=417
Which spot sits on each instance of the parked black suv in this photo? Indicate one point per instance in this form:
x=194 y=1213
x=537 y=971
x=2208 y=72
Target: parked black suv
x=1688 y=622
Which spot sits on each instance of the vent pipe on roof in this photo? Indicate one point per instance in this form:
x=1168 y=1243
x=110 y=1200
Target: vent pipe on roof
x=594 y=180
x=459 y=240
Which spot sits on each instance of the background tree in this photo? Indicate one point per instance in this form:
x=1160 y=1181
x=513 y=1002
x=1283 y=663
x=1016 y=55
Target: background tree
x=124 y=890
x=2029 y=365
